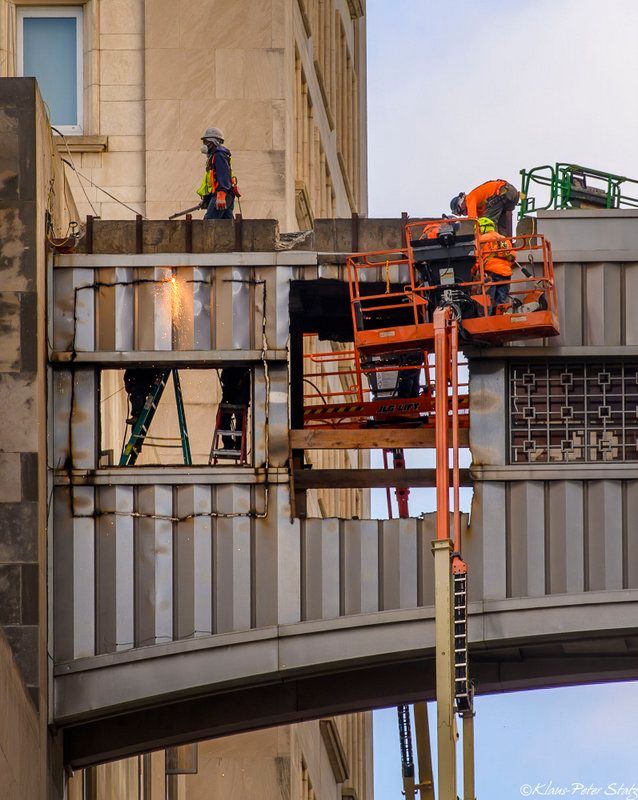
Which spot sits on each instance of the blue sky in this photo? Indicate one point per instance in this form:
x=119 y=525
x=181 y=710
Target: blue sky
x=458 y=93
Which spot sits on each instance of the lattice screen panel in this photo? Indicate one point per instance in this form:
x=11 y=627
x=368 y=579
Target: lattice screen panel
x=573 y=412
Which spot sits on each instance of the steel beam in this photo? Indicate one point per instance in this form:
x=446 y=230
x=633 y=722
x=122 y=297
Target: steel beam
x=369 y=478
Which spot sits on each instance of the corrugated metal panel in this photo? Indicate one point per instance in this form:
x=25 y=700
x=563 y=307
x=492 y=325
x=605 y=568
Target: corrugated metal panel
x=548 y=537
x=74 y=418
x=360 y=558
x=320 y=569
x=165 y=308
x=232 y=558
x=399 y=564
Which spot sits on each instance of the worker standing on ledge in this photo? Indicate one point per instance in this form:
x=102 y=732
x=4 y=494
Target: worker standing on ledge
x=494 y=199
x=498 y=258
x=218 y=189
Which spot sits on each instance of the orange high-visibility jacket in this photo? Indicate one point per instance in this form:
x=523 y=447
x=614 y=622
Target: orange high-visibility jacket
x=476 y=199
x=497 y=254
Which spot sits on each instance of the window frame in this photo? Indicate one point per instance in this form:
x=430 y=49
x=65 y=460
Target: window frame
x=71 y=11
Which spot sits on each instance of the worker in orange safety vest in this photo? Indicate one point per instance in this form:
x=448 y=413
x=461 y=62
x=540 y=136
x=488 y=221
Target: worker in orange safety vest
x=218 y=188
x=498 y=258
x=494 y=199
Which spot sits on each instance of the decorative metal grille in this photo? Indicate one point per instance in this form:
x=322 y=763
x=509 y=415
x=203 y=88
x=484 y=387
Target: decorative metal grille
x=573 y=412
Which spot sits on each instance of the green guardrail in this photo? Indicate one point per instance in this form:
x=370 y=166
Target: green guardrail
x=573 y=186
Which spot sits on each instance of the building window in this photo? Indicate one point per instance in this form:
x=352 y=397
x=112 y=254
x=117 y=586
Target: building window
x=50 y=49
x=574 y=412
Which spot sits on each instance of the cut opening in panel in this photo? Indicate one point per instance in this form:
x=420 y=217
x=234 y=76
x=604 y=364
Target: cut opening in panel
x=154 y=416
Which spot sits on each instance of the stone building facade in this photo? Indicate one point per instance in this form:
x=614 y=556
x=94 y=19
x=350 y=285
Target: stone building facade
x=284 y=80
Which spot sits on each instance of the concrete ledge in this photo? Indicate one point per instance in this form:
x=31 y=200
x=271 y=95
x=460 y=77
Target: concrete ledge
x=122 y=703
x=81 y=144
x=565 y=471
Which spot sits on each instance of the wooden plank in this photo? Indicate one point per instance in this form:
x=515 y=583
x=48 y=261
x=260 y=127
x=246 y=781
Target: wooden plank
x=370 y=478
x=368 y=439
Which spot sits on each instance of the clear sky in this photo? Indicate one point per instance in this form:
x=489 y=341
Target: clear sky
x=458 y=93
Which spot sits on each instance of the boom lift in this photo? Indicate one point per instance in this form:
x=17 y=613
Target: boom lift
x=437 y=296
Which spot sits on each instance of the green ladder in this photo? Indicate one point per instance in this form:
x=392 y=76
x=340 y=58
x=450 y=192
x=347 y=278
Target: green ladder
x=132 y=448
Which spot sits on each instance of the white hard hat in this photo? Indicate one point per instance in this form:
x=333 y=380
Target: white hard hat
x=213 y=133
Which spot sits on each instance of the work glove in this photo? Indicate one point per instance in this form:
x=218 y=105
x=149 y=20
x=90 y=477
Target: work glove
x=220 y=201
x=205 y=201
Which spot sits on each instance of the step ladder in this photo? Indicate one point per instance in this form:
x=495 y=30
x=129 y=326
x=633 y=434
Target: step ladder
x=133 y=447
x=238 y=452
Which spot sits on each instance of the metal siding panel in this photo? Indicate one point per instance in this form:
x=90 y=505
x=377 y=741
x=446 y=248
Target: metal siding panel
x=350 y=566
x=84 y=420
x=114 y=584
x=629 y=301
x=63 y=575
x=84 y=299
x=631 y=533
x=243 y=308
x=144 y=310
x=182 y=309
x=288 y=557
x=184 y=564
x=311 y=531
x=105 y=310
x=472 y=548
x=106 y=571
x=426 y=530
x=399 y=564
x=570 y=307
x=321 y=568
x=493 y=531
x=202 y=297
x=566 y=537
x=603 y=301
x=163 y=309
x=203 y=562
x=233 y=561
x=278 y=442
x=63 y=307
x=281 y=308
x=83 y=572
x=154 y=566
x=124 y=572
x=124 y=310
x=360 y=570
x=164 y=565
x=258 y=417
x=266 y=545
x=61 y=411
x=224 y=310
x=527 y=539
x=605 y=535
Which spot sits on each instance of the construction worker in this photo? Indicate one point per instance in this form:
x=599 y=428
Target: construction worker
x=497 y=259
x=218 y=189
x=235 y=383
x=494 y=199
x=138 y=384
